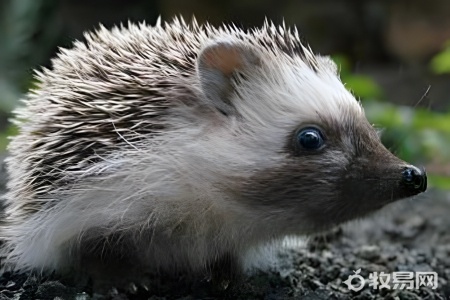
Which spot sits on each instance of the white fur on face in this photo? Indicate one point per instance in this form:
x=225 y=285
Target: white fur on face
x=288 y=94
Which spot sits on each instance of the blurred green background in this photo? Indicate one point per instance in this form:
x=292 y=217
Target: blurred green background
x=393 y=55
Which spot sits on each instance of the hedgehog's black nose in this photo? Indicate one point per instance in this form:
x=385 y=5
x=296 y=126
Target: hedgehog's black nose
x=415 y=179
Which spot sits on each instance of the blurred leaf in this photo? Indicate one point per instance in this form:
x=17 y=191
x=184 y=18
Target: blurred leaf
x=432 y=120
x=387 y=114
x=343 y=64
x=363 y=86
x=440 y=63
x=440 y=182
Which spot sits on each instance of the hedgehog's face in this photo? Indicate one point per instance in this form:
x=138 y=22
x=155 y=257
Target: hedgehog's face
x=321 y=162
x=332 y=173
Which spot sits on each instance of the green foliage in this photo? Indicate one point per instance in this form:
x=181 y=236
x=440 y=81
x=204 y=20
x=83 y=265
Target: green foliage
x=361 y=85
x=440 y=182
x=440 y=63
x=418 y=134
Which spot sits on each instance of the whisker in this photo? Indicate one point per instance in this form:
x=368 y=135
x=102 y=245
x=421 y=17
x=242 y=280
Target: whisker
x=425 y=95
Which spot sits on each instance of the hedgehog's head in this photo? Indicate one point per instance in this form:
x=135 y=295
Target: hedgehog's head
x=313 y=158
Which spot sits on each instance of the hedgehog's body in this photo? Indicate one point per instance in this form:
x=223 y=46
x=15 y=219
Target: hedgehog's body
x=182 y=146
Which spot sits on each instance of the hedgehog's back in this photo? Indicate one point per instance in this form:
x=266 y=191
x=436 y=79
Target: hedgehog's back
x=101 y=96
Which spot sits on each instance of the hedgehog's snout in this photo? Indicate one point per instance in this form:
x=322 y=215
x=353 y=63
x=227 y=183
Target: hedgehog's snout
x=414 y=179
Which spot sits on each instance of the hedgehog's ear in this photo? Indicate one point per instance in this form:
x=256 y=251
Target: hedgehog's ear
x=216 y=65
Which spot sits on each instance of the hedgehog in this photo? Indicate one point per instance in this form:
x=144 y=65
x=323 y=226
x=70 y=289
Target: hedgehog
x=182 y=147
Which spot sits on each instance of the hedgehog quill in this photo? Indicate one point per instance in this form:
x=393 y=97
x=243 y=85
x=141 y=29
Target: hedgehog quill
x=180 y=147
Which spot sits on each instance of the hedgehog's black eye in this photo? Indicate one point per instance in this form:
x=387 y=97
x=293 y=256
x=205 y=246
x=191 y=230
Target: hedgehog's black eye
x=310 y=138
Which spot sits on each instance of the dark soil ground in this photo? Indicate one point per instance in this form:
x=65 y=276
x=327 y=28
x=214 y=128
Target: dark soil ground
x=411 y=236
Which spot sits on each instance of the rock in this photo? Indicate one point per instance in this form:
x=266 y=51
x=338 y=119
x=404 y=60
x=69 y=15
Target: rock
x=406 y=295
x=369 y=252
x=53 y=289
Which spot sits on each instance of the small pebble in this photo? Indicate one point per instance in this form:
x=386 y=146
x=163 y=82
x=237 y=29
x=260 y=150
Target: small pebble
x=369 y=252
